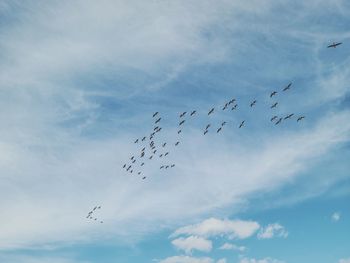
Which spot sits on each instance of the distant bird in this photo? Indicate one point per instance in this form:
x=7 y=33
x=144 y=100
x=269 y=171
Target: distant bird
x=225 y=107
x=274 y=118
x=179 y=131
x=158 y=120
x=155 y=114
x=154 y=151
x=287 y=87
x=166 y=167
x=181 y=122
x=234 y=107
x=99 y=207
x=300 y=118
x=231 y=101
x=139 y=173
x=223 y=123
x=218 y=130
x=159 y=129
x=166 y=153
x=211 y=111
x=193 y=112
x=142 y=164
x=207 y=127
x=143 y=178
x=136 y=141
x=142 y=154
x=101 y=222
x=173 y=165
x=205 y=132
x=161 y=155
x=253 y=103
x=161 y=167
x=128 y=168
x=124 y=165
x=156 y=128
x=150 y=157
x=143 y=149
x=177 y=143
x=144 y=138
x=274 y=105
x=183 y=114
x=134 y=161
x=289 y=116
x=273 y=94
x=279 y=121
x=131 y=171
x=132 y=158
x=241 y=125
x=334 y=45
x=164 y=144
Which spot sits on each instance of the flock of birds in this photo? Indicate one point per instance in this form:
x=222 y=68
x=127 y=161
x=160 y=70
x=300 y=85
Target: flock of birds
x=151 y=149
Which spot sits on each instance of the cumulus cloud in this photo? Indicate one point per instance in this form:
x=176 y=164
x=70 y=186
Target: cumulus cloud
x=271 y=231
x=221 y=260
x=193 y=243
x=335 y=217
x=186 y=259
x=265 y=260
x=229 y=246
x=344 y=260
x=215 y=227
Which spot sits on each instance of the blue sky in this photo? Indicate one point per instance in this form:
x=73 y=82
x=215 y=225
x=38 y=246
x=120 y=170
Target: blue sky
x=79 y=82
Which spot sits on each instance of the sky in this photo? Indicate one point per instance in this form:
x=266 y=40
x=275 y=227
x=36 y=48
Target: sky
x=79 y=83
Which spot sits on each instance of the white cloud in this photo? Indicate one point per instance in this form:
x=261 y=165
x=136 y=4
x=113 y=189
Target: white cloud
x=335 y=216
x=344 y=260
x=215 y=227
x=271 y=231
x=186 y=259
x=221 y=260
x=38 y=259
x=193 y=243
x=229 y=246
x=265 y=260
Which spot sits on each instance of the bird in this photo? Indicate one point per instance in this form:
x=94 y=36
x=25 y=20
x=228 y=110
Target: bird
x=154 y=151
x=274 y=118
x=161 y=167
x=334 y=45
x=193 y=112
x=300 y=118
x=177 y=143
x=142 y=164
x=223 y=123
x=273 y=94
x=241 y=125
x=131 y=171
x=143 y=178
x=205 y=132
x=234 y=107
x=99 y=207
x=144 y=138
x=179 y=131
x=207 y=127
x=183 y=114
x=166 y=153
x=166 y=167
x=289 y=116
x=132 y=158
x=134 y=161
x=124 y=165
x=231 y=101
x=155 y=114
x=101 y=222
x=279 y=121
x=143 y=149
x=158 y=120
x=142 y=154
x=159 y=129
x=253 y=103
x=136 y=141
x=161 y=155
x=164 y=144
x=225 y=107
x=128 y=168
x=173 y=165
x=139 y=173
x=181 y=122
x=218 y=130
x=211 y=111
x=156 y=128
x=274 y=105
x=287 y=87
x=150 y=157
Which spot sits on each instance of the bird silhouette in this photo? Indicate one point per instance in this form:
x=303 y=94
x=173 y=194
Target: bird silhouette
x=193 y=112
x=136 y=141
x=241 y=125
x=289 y=116
x=273 y=94
x=300 y=118
x=287 y=87
x=274 y=105
x=211 y=111
x=181 y=122
x=179 y=131
x=274 y=118
x=253 y=103
x=155 y=114
x=177 y=143
x=218 y=130
x=279 y=121
x=183 y=114
x=158 y=120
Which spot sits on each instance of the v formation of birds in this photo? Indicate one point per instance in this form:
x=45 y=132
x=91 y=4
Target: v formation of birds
x=151 y=149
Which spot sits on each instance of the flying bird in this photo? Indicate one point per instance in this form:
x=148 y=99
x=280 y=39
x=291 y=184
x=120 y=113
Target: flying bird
x=161 y=155
x=334 y=45
x=273 y=94
x=289 y=116
x=161 y=167
x=179 y=131
x=241 y=125
x=183 y=114
x=234 y=107
x=136 y=141
x=142 y=164
x=143 y=178
x=166 y=153
x=274 y=118
x=158 y=120
x=134 y=161
x=124 y=165
x=274 y=105
x=218 y=130
x=279 y=121
x=205 y=132
x=139 y=173
x=181 y=122
x=150 y=157
x=287 y=87
x=164 y=144
x=253 y=103
x=177 y=143
x=193 y=112
x=231 y=101
x=155 y=114
x=173 y=165
x=144 y=138
x=300 y=118
x=211 y=111
x=207 y=127
x=223 y=123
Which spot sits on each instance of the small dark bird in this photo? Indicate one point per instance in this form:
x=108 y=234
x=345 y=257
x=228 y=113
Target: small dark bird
x=161 y=167
x=128 y=168
x=154 y=151
x=205 y=132
x=289 y=116
x=131 y=171
x=155 y=114
x=218 y=130
x=136 y=141
x=207 y=127
x=156 y=128
x=101 y=222
x=231 y=101
x=139 y=173
x=179 y=131
x=287 y=87
x=161 y=155
x=144 y=138
x=164 y=144
x=300 y=118
x=279 y=121
x=158 y=120
x=142 y=164
x=143 y=149
x=99 y=207
x=225 y=107
x=234 y=107
x=241 y=125
x=134 y=161
x=193 y=113
x=150 y=157
x=159 y=129
x=273 y=94
x=132 y=158
x=181 y=122
x=211 y=111
x=223 y=123
x=166 y=153
x=142 y=154
x=253 y=103
x=166 y=167
x=173 y=165
x=124 y=165
x=177 y=143
x=274 y=105
x=143 y=178
x=183 y=114
x=334 y=45
x=274 y=118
